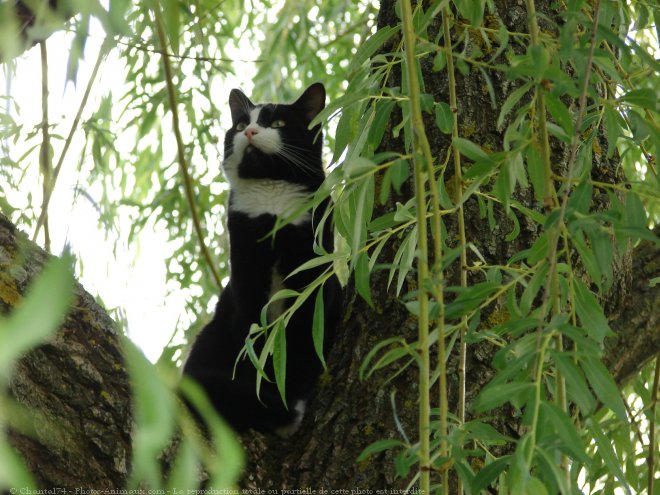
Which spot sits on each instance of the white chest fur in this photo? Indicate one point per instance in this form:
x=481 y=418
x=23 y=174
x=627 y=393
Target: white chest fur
x=256 y=197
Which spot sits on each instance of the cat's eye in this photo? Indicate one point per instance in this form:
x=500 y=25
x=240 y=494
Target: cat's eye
x=241 y=126
x=277 y=123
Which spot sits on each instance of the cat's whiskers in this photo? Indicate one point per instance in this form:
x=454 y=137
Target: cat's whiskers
x=297 y=157
x=298 y=150
x=301 y=152
x=295 y=162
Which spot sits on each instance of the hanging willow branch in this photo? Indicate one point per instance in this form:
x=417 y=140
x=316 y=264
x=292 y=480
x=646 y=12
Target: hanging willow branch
x=458 y=181
x=652 y=427
x=183 y=162
x=423 y=162
x=44 y=155
x=56 y=171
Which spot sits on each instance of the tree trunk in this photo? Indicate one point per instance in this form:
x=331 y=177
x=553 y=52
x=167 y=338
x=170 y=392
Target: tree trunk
x=636 y=339
x=75 y=426
x=346 y=414
x=77 y=398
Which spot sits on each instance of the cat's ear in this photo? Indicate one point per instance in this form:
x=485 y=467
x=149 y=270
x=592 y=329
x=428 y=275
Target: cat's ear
x=312 y=101
x=239 y=104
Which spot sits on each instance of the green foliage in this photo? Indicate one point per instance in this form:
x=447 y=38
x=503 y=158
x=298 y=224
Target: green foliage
x=161 y=420
x=549 y=367
x=163 y=423
x=131 y=174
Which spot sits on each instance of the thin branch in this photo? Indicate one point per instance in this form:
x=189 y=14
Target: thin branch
x=549 y=193
x=652 y=438
x=44 y=154
x=551 y=294
x=458 y=181
x=634 y=419
x=582 y=106
x=183 y=162
x=420 y=145
x=148 y=49
x=48 y=194
x=575 y=142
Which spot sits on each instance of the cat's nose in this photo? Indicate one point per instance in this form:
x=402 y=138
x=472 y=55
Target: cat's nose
x=249 y=132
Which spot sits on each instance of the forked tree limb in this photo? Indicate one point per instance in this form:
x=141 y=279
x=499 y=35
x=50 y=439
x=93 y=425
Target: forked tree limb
x=636 y=339
x=77 y=388
x=75 y=429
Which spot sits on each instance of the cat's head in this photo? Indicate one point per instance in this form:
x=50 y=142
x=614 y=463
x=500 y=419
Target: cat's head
x=273 y=141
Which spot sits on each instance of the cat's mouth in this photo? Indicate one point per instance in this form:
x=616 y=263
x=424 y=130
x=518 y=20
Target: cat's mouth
x=249 y=148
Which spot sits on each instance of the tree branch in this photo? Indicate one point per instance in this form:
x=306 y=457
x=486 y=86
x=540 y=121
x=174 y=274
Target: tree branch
x=44 y=157
x=74 y=426
x=652 y=433
x=183 y=162
x=48 y=192
x=637 y=340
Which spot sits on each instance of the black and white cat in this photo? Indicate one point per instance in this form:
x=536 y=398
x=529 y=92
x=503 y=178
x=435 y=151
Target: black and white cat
x=273 y=165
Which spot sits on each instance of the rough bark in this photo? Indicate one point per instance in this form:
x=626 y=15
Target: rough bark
x=77 y=430
x=347 y=414
x=74 y=429
x=636 y=339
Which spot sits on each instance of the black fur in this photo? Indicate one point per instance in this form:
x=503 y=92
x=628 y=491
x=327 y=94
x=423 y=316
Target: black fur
x=255 y=253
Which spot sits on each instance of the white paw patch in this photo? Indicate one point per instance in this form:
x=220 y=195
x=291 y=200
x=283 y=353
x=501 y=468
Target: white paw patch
x=291 y=428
